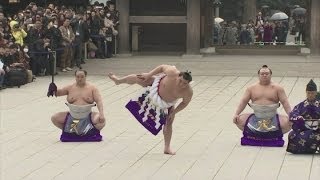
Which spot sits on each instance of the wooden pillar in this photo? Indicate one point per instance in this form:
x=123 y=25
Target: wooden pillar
x=250 y=8
x=208 y=26
x=314 y=29
x=193 y=27
x=123 y=7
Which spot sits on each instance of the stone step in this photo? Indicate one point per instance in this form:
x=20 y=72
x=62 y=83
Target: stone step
x=258 y=50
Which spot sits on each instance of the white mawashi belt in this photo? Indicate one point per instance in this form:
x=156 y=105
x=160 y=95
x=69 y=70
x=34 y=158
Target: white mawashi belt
x=80 y=111
x=154 y=101
x=154 y=95
x=264 y=111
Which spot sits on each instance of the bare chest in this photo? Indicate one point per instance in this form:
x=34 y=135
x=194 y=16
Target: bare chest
x=264 y=94
x=79 y=96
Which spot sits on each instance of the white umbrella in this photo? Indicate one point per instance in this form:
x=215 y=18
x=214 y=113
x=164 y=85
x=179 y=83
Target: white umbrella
x=218 y=20
x=279 y=16
x=299 y=11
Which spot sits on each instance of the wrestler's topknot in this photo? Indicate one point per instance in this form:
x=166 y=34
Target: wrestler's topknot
x=78 y=70
x=264 y=66
x=186 y=75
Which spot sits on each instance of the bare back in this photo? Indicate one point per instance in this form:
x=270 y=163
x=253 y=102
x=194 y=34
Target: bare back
x=264 y=94
x=169 y=89
x=80 y=95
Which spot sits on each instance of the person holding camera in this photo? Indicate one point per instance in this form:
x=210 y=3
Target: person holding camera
x=19 y=34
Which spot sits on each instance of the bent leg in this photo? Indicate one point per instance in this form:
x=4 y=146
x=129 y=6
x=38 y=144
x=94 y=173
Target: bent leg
x=130 y=79
x=95 y=118
x=59 y=118
x=285 y=124
x=167 y=133
x=241 y=122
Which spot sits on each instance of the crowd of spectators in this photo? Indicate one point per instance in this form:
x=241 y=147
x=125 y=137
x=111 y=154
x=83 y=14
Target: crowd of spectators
x=32 y=38
x=259 y=31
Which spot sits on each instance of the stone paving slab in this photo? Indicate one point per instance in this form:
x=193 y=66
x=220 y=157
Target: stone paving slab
x=239 y=65
x=207 y=142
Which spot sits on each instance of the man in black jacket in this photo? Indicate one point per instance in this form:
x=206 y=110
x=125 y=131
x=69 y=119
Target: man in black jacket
x=40 y=64
x=81 y=31
x=54 y=34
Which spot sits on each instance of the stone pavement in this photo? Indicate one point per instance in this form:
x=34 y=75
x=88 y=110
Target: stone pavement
x=206 y=141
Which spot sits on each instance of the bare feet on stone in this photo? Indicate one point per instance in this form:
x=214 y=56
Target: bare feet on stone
x=114 y=78
x=169 y=152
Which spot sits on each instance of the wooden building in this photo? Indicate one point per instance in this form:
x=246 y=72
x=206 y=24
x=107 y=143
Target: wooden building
x=182 y=25
x=161 y=25
x=314 y=28
x=176 y=25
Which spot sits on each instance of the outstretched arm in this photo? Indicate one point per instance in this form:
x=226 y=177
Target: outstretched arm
x=183 y=104
x=284 y=100
x=54 y=91
x=167 y=69
x=62 y=92
x=161 y=69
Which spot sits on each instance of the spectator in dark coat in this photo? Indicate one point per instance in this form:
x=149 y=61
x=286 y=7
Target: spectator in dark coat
x=40 y=63
x=268 y=33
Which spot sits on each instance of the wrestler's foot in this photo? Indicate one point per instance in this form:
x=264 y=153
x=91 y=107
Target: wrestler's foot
x=114 y=78
x=169 y=152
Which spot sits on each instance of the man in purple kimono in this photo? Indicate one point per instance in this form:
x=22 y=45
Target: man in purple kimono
x=305 y=135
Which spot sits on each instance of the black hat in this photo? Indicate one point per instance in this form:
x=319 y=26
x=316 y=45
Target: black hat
x=311 y=86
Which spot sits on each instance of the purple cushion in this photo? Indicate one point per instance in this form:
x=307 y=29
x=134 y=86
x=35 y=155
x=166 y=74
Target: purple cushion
x=92 y=137
x=279 y=142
